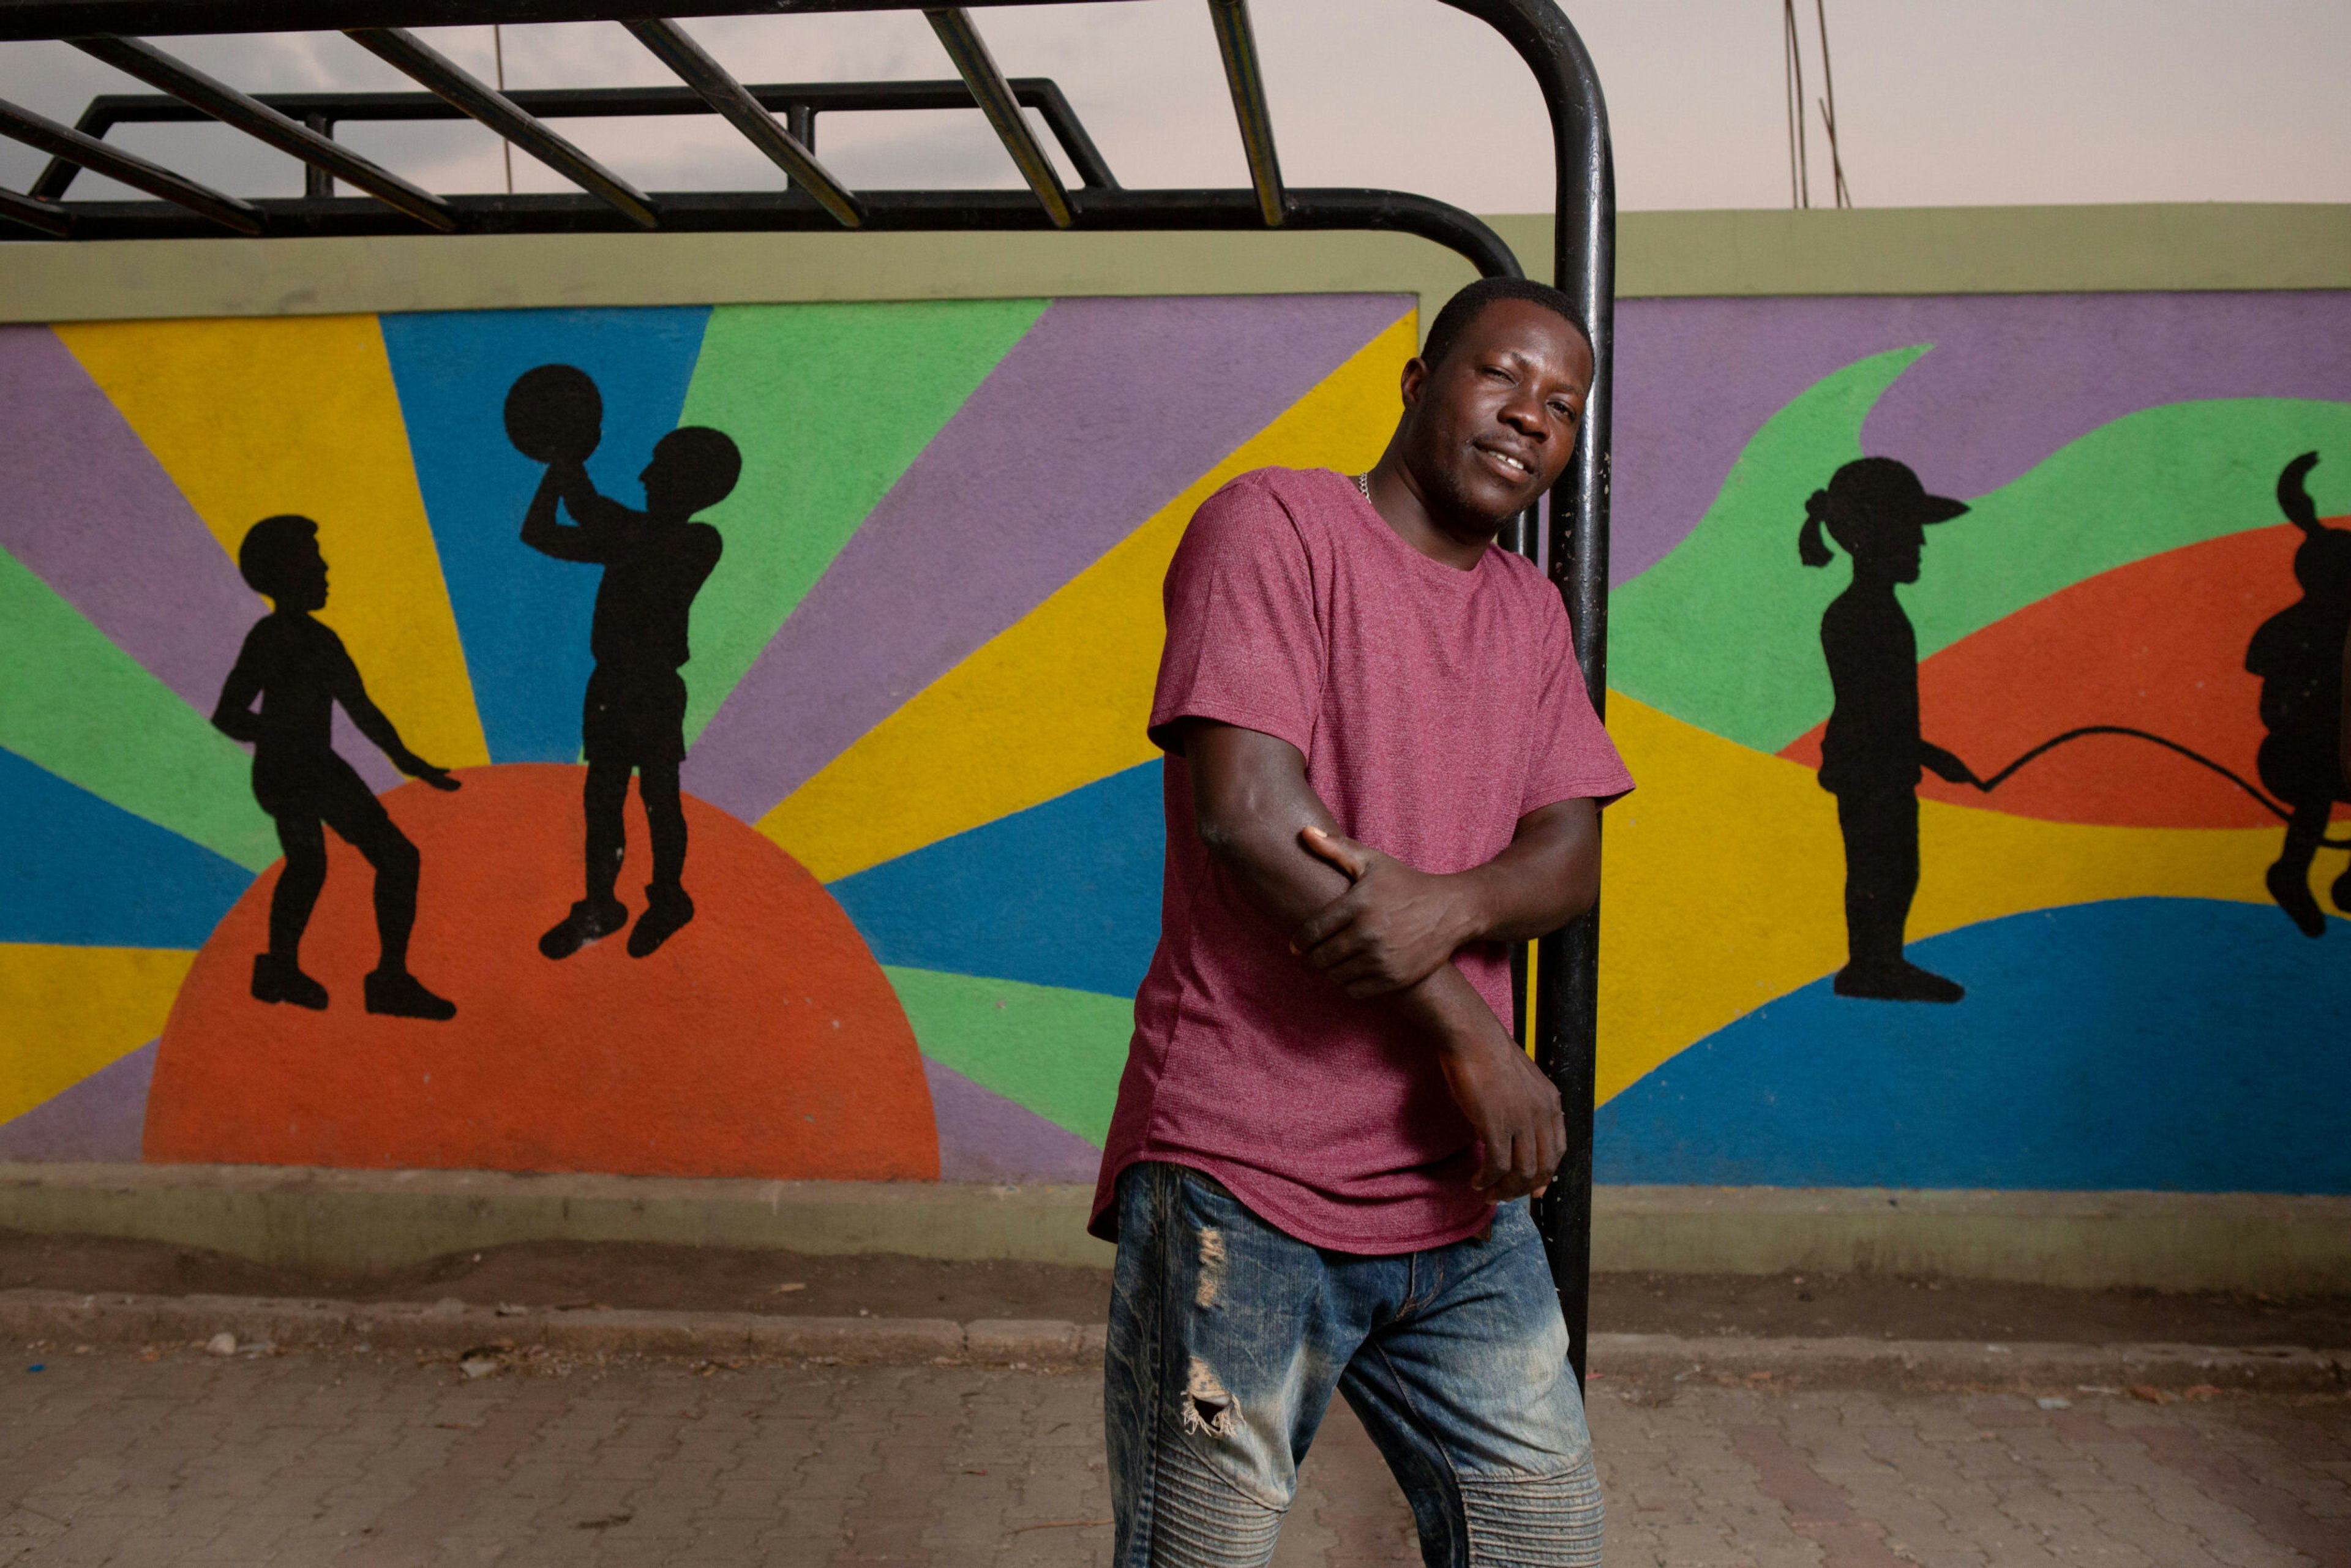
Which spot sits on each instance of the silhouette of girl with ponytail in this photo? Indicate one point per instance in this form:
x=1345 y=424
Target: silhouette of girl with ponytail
x=1872 y=752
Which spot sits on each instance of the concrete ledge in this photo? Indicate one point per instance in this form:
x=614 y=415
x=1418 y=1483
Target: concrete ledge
x=1876 y=250
x=2078 y=1240
x=374 y=1221
x=57 y=1318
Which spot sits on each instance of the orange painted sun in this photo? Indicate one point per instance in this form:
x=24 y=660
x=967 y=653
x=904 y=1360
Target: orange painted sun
x=761 y=1041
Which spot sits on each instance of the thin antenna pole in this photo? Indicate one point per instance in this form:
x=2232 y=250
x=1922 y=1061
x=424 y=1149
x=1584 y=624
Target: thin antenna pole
x=1799 y=169
x=1828 y=107
x=498 y=47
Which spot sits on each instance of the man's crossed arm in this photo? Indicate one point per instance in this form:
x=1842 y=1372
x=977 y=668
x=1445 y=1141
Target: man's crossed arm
x=1384 y=931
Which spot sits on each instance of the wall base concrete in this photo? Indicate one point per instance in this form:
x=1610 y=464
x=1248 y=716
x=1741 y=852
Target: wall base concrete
x=345 y=1221
x=2081 y=1240
x=365 y=1221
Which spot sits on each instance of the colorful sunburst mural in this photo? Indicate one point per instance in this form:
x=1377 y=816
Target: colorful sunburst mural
x=925 y=823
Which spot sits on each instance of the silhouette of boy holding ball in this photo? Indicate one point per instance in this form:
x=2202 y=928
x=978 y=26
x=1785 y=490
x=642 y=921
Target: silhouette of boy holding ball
x=654 y=562
x=298 y=670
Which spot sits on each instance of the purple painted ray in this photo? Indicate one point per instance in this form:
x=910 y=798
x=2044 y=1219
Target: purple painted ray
x=90 y=511
x=983 y=1136
x=101 y=1118
x=2011 y=379
x=1097 y=417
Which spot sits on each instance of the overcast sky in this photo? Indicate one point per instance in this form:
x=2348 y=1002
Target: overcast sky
x=1939 y=102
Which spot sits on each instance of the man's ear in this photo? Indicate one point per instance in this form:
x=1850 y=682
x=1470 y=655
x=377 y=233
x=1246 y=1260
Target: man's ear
x=1416 y=377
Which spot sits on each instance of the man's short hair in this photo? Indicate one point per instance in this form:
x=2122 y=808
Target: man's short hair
x=1470 y=303
x=272 y=548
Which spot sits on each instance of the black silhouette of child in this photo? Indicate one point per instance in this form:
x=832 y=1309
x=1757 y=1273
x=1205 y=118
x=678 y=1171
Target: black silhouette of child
x=1872 y=752
x=299 y=671
x=2299 y=653
x=654 y=562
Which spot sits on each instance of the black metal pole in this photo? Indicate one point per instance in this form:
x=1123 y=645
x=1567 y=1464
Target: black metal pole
x=959 y=35
x=405 y=51
x=65 y=142
x=1244 y=73
x=263 y=123
x=675 y=49
x=35 y=214
x=1566 y=1024
x=21 y=19
x=794 y=211
x=318 y=186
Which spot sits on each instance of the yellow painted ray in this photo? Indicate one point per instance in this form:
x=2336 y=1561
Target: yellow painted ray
x=1725 y=876
x=269 y=414
x=65 y=1012
x=1058 y=699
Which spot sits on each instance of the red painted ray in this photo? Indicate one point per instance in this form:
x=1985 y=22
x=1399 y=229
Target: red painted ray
x=2158 y=645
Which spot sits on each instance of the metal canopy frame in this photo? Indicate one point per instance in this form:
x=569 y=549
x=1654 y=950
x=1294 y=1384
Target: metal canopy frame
x=779 y=121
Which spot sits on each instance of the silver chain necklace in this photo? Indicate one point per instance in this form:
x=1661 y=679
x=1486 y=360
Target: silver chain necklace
x=1363 y=483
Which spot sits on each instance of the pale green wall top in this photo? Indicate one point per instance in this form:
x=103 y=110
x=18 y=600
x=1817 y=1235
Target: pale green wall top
x=1942 y=250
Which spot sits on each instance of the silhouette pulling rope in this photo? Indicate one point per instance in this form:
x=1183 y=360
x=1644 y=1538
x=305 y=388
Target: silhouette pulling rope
x=2295 y=654
x=2198 y=757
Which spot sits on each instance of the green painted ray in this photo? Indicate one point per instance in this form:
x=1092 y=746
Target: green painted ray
x=1058 y=1052
x=1725 y=631
x=828 y=404
x=2149 y=482
x=71 y=702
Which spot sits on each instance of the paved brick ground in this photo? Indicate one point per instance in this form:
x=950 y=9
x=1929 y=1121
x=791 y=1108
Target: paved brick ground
x=365 y=1461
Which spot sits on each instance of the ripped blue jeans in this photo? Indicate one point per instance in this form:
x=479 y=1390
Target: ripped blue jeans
x=1228 y=1336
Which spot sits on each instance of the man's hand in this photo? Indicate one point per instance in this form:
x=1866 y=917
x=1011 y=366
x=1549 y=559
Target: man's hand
x=1513 y=1109
x=1249 y=800
x=1387 y=931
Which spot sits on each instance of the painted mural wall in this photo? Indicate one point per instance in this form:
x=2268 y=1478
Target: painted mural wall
x=888 y=873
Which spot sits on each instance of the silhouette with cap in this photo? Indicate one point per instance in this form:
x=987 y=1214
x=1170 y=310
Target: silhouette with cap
x=1872 y=752
x=2299 y=653
x=654 y=562
x=298 y=670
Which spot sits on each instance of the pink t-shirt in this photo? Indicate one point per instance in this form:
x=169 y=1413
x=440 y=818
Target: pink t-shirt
x=1435 y=707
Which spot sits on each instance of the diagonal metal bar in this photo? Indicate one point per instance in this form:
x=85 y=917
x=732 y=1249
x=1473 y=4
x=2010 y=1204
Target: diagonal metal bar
x=407 y=52
x=721 y=91
x=64 y=142
x=994 y=94
x=263 y=123
x=1245 y=74
x=33 y=213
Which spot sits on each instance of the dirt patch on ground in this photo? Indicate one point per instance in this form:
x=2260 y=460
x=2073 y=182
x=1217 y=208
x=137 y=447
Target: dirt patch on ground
x=692 y=1279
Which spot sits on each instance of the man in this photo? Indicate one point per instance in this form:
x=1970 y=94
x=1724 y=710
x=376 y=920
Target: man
x=633 y=720
x=1381 y=768
x=297 y=670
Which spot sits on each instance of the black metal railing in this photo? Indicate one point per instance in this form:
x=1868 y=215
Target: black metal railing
x=779 y=121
